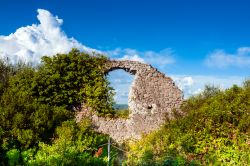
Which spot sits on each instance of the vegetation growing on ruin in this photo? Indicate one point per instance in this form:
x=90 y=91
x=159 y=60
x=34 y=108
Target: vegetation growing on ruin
x=122 y=113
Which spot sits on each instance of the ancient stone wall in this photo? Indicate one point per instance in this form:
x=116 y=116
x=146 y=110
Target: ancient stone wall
x=152 y=98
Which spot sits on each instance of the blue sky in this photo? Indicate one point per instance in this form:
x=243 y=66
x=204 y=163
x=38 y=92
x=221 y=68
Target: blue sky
x=194 y=41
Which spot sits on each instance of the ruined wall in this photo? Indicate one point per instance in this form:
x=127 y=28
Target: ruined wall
x=152 y=97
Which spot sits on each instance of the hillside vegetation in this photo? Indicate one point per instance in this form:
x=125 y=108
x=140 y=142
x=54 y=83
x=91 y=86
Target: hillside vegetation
x=37 y=125
x=214 y=131
x=37 y=106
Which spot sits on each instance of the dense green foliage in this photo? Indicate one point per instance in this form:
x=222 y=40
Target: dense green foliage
x=7 y=70
x=24 y=120
x=73 y=144
x=37 y=126
x=214 y=131
x=72 y=80
x=37 y=110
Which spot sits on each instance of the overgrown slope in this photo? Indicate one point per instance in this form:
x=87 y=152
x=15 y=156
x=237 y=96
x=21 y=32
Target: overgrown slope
x=37 y=124
x=37 y=107
x=215 y=131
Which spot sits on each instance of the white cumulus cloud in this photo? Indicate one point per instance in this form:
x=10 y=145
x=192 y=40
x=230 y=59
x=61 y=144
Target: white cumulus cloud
x=30 y=43
x=221 y=59
x=134 y=57
x=183 y=82
x=194 y=84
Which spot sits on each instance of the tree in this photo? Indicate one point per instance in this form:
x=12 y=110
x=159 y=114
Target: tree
x=24 y=120
x=74 y=79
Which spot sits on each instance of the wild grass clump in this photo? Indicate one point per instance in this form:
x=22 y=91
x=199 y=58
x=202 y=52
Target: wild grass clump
x=122 y=113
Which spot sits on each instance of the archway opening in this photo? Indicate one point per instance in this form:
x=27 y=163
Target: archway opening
x=121 y=82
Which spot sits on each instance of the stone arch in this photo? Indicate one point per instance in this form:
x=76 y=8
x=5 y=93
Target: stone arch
x=131 y=71
x=152 y=98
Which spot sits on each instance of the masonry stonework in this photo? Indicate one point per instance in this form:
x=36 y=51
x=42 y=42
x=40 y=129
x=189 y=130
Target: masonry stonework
x=152 y=98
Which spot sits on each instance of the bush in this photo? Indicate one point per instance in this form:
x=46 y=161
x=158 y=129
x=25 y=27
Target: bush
x=123 y=113
x=73 y=144
x=13 y=157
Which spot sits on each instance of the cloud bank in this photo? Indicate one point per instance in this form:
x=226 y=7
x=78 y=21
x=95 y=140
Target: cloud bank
x=221 y=59
x=30 y=43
